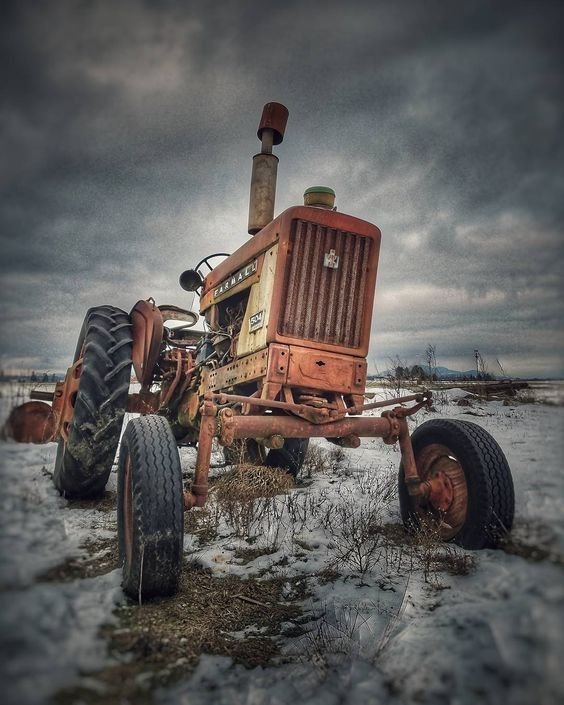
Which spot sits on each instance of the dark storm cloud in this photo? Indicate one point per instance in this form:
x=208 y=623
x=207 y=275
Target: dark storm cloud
x=128 y=129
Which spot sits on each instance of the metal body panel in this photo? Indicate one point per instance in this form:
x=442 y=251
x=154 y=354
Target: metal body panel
x=309 y=307
x=240 y=371
x=249 y=251
x=309 y=303
x=147 y=332
x=325 y=371
x=257 y=315
x=324 y=295
x=295 y=367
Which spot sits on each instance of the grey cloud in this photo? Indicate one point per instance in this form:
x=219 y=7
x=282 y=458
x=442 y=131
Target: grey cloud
x=128 y=130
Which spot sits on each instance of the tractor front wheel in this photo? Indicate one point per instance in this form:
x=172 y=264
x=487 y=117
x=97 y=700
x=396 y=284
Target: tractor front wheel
x=150 y=509
x=86 y=453
x=475 y=505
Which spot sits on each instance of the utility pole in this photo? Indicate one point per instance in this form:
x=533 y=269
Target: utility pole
x=477 y=356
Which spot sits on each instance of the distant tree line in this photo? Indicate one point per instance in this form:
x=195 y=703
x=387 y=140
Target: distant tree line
x=399 y=371
x=43 y=377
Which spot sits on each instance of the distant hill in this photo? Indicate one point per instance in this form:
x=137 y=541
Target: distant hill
x=447 y=373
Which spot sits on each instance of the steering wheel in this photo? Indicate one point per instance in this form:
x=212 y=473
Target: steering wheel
x=205 y=260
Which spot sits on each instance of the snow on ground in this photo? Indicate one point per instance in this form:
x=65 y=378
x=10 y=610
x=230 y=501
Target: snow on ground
x=387 y=635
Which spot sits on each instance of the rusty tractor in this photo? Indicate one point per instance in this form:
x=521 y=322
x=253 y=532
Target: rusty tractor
x=281 y=359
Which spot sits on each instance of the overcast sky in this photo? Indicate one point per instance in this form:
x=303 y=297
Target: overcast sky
x=127 y=130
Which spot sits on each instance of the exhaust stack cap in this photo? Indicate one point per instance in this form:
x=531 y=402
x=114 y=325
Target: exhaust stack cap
x=274 y=117
x=319 y=196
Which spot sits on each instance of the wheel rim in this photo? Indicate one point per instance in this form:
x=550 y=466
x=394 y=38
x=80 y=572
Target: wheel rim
x=447 y=506
x=127 y=512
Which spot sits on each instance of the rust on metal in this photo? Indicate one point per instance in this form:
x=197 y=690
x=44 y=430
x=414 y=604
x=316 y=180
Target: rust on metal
x=245 y=369
x=326 y=371
x=198 y=493
x=421 y=398
x=325 y=223
x=278 y=359
x=235 y=282
x=32 y=422
x=169 y=312
x=65 y=396
x=411 y=476
x=322 y=303
x=440 y=490
x=144 y=402
x=274 y=117
x=147 y=333
x=174 y=383
x=444 y=492
x=291 y=427
x=315 y=415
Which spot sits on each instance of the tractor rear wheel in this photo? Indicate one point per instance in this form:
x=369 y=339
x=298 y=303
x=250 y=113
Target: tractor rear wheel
x=289 y=458
x=477 y=503
x=85 y=457
x=150 y=509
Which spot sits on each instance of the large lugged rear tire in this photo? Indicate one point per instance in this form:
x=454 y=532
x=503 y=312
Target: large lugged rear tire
x=150 y=509
x=474 y=467
x=289 y=458
x=84 y=461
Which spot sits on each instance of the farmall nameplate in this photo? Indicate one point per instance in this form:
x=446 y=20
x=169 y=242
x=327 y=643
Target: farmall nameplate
x=235 y=279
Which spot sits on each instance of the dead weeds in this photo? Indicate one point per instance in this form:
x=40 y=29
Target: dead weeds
x=534 y=541
x=247 y=555
x=161 y=641
x=106 y=503
x=101 y=557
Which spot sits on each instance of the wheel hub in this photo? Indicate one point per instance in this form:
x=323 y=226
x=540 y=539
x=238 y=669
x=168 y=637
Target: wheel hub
x=446 y=502
x=441 y=491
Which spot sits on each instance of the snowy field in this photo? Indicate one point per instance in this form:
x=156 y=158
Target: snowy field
x=336 y=613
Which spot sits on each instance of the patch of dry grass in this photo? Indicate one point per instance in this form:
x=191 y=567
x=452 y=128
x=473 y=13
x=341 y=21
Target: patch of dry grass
x=101 y=557
x=161 y=641
x=245 y=496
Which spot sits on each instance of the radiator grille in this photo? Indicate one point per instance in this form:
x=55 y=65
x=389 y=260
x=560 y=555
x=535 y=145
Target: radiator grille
x=321 y=303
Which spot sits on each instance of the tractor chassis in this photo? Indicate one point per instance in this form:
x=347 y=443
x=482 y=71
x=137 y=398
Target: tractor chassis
x=230 y=417
x=218 y=420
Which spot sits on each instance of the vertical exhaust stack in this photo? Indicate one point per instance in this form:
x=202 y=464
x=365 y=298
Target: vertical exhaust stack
x=265 y=166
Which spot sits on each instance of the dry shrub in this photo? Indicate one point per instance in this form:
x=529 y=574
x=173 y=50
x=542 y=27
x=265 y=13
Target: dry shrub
x=320 y=460
x=337 y=456
x=251 y=482
x=337 y=631
x=247 y=495
x=316 y=461
x=303 y=506
x=356 y=529
x=202 y=523
x=434 y=556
